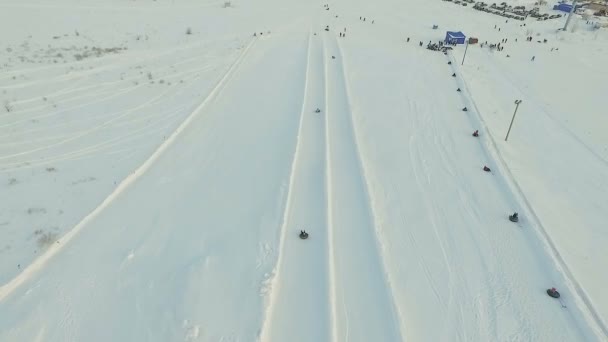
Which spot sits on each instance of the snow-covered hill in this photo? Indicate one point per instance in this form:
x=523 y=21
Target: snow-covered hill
x=158 y=160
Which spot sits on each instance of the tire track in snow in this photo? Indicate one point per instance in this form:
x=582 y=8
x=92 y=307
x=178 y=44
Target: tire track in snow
x=97 y=98
x=75 y=81
x=298 y=304
x=138 y=58
x=91 y=150
x=112 y=119
x=173 y=112
x=87 y=132
x=420 y=168
x=360 y=282
x=40 y=262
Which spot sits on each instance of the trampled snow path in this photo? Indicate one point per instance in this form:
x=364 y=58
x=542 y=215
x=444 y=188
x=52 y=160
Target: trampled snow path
x=300 y=299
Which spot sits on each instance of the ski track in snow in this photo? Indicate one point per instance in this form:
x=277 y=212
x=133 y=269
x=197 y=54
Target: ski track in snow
x=74 y=78
x=53 y=147
x=98 y=96
x=92 y=150
x=101 y=8
x=84 y=73
x=22 y=159
x=101 y=87
x=95 y=128
x=39 y=263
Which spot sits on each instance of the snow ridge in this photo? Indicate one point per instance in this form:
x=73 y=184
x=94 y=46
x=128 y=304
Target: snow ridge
x=330 y=200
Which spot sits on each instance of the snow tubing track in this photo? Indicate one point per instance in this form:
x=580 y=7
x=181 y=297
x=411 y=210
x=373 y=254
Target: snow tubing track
x=365 y=308
x=492 y=151
x=328 y=197
x=297 y=306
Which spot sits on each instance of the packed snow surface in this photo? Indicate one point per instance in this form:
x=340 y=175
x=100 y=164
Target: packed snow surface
x=158 y=160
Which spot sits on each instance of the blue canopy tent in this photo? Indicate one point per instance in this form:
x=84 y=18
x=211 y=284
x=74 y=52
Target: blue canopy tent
x=563 y=7
x=455 y=37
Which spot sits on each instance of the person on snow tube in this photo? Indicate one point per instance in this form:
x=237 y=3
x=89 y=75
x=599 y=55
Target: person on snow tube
x=552 y=292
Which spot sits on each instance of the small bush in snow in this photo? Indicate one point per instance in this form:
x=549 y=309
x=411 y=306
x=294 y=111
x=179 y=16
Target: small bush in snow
x=8 y=107
x=32 y=211
x=46 y=239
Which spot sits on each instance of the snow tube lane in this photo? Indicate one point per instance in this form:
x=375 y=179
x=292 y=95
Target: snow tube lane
x=460 y=270
x=299 y=299
x=364 y=310
x=588 y=314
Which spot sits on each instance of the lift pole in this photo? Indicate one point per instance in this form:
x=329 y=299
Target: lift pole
x=517 y=102
x=570 y=15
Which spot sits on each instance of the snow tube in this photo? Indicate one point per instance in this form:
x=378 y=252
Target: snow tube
x=514 y=218
x=486 y=169
x=303 y=235
x=553 y=293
